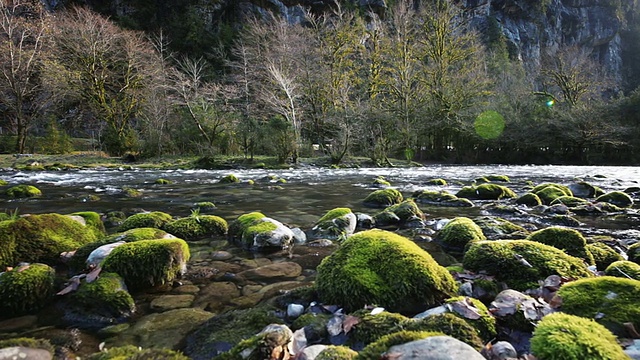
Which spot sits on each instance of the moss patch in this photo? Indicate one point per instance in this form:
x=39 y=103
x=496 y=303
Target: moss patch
x=229 y=179
x=549 y=192
x=436 y=182
x=617 y=198
x=23 y=191
x=372 y=327
x=26 y=289
x=562 y=336
x=459 y=232
x=94 y=222
x=375 y=350
x=569 y=201
x=485 y=325
x=383 y=198
x=624 y=269
x=603 y=255
x=633 y=253
x=504 y=260
x=336 y=353
x=529 y=199
x=406 y=211
x=448 y=324
x=382 y=268
x=29 y=343
x=486 y=192
x=238 y=226
x=568 y=240
x=131 y=352
x=197 y=226
x=155 y=219
x=497 y=228
x=106 y=296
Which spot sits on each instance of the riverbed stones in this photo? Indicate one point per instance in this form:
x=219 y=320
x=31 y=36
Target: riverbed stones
x=170 y=302
x=486 y=192
x=216 y=294
x=434 y=347
x=273 y=272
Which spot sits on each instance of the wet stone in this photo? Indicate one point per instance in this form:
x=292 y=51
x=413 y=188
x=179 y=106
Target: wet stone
x=277 y=271
x=169 y=302
x=19 y=323
x=216 y=294
x=186 y=289
x=221 y=255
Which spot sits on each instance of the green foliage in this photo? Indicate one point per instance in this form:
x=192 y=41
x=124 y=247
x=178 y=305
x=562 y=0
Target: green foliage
x=332 y=352
x=23 y=191
x=624 y=269
x=29 y=343
x=195 y=227
x=567 y=337
x=603 y=255
x=383 y=198
x=148 y=263
x=448 y=324
x=155 y=219
x=486 y=192
x=611 y=301
x=375 y=350
x=503 y=259
x=568 y=240
x=458 y=233
x=385 y=269
x=56 y=141
x=372 y=327
x=26 y=289
x=617 y=198
x=106 y=296
x=130 y=352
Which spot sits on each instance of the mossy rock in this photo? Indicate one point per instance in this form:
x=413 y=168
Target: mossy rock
x=336 y=223
x=204 y=206
x=382 y=268
x=78 y=261
x=406 y=212
x=148 y=263
x=272 y=339
x=26 y=289
x=617 y=198
x=41 y=238
x=623 y=269
x=130 y=352
x=197 y=226
x=522 y=263
x=440 y=198
x=495 y=178
x=570 y=201
x=583 y=189
x=494 y=227
x=381 y=182
x=459 y=232
x=23 y=191
x=375 y=350
x=315 y=323
x=486 y=192
x=562 y=336
x=485 y=325
x=154 y=219
x=611 y=301
x=549 y=192
x=4 y=182
x=448 y=324
x=131 y=192
x=107 y=296
x=436 y=182
x=114 y=218
x=568 y=240
x=163 y=182
x=228 y=329
x=4 y=216
x=529 y=199
x=93 y=222
x=372 y=327
x=43 y=344
x=383 y=198
x=332 y=352
x=255 y=231
x=239 y=225
x=603 y=255
x=229 y=179
x=633 y=253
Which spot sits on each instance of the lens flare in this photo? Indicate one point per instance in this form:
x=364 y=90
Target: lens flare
x=489 y=124
x=550 y=103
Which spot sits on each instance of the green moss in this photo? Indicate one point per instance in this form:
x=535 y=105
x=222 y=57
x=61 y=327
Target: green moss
x=495 y=227
x=430 y=196
x=603 y=255
x=375 y=350
x=382 y=268
x=163 y=182
x=29 y=343
x=566 y=337
x=26 y=289
x=436 y=182
x=131 y=352
x=549 y=192
x=529 y=199
x=198 y=226
x=486 y=192
x=4 y=182
x=204 y=205
x=94 y=222
x=105 y=296
x=459 y=232
x=485 y=325
x=131 y=192
x=372 y=327
x=334 y=224
x=383 y=198
x=611 y=301
x=238 y=226
x=381 y=181
x=334 y=214
x=155 y=219
x=40 y=238
x=565 y=189
x=617 y=198
x=229 y=179
x=503 y=259
x=569 y=201
x=336 y=353
x=633 y=253
x=623 y=269
x=250 y=232
x=497 y=178
x=406 y=211
x=148 y=263
x=23 y=191
x=568 y=240
x=448 y=324
x=317 y=323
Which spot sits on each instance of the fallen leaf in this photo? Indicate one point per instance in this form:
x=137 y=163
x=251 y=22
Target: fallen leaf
x=391 y=356
x=73 y=286
x=349 y=322
x=555 y=302
x=23 y=268
x=466 y=309
x=91 y=276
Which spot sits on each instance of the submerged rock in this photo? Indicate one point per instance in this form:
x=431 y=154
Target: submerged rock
x=338 y=223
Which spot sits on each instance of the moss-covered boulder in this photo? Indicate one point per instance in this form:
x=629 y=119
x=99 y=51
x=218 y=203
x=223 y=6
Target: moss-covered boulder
x=617 y=198
x=568 y=240
x=585 y=190
x=383 y=198
x=148 y=263
x=529 y=199
x=570 y=201
x=131 y=352
x=486 y=192
x=41 y=238
x=154 y=219
x=522 y=263
x=381 y=182
x=371 y=327
x=623 y=269
x=494 y=228
x=633 y=253
x=254 y=231
x=162 y=181
x=440 y=198
x=196 y=227
x=549 y=192
x=436 y=182
x=563 y=336
x=204 y=206
x=475 y=313
x=25 y=289
x=332 y=352
x=603 y=254
x=23 y=191
x=375 y=350
x=93 y=222
x=337 y=223
x=26 y=342
x=273 y=339
x=407 y=214
x=229 y=179
x=382 y=268
x=611 y=301
x=459 y=232
x=448 y=324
